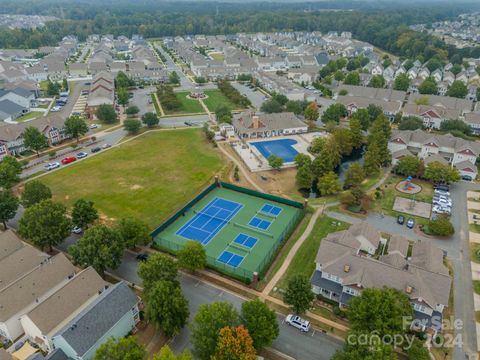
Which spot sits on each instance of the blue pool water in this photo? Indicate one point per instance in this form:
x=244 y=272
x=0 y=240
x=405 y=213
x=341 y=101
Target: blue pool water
x=279 y=147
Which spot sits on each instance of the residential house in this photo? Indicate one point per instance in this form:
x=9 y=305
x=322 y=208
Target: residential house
x=114 y=313
x=9 y=110
x=102 y=91
x=251 y=125
x=432 y=116
x=456 y=151
x=19 y=96
x=347 y=263
x=78 y=69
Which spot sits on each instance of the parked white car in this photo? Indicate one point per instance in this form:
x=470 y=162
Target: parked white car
x=51 y=166
x=296 y=321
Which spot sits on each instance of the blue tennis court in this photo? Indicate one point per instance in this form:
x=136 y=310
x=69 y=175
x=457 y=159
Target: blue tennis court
x=230 y=259
x=245 y=240
x=259 y=223
x=279 y=147
x=271 y=209
x=210 y=220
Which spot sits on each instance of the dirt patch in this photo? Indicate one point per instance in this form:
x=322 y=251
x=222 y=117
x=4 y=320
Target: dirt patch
x=408 y=206
x=152 y=339
x=67 y=197
x=136 y=187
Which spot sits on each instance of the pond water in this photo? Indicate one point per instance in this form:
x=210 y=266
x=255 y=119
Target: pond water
x=347 y=161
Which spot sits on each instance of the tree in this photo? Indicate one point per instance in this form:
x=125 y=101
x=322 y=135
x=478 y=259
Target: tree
x=271 y=106
x=10 y=169
x=106 y=113
x=302 y=159
x=316 y=146
x=377 y=81
x=280 y=98
x=328 y=184
x=418 y=351
x=150 y=119
x=234 y=343
x=206 y=325
x=456 y=126
x=223 y=114
x=193 y=256
x=122 y=96
x=356 y=133
x=276 y=162
x=408 y=166
x=352 y=78
x=167 y=354
x=304 y=177
x=100 y=247
x=299 y=294
x=311 y=112
x=343 y=137
x=166 y=307
x=53 y=88
x=354 y=176
x=363 y=117
x=45 y=224
x=458 y=89
x=372 y=160
x=132 y=126
x=437 y=172
x=261 y=323
x=132 y=110
x=133 y=232
x=456 y=69
x=379 y=310
x=34 y=192
x=354 y=197
x=83 y=213
x=75 y=127
x=410 y=123
x=402 y=82
x=334 y=113
x=441 y=226
x=428 y=86
x=158 y=267
x=8 y=206
x=126 y=348
x=173 y=78
x=200 y=80
x=122 y=80
x=295 y=106
x=34 y=140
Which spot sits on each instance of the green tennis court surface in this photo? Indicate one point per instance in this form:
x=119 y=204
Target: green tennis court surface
x=239 y=230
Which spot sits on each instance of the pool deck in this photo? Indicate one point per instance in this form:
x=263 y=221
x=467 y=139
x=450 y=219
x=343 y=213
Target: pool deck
x=255 y=161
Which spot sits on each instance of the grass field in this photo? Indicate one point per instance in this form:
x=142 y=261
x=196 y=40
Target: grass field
x=149 y=177
x=217 y=56
x=28 y=116
x=218 y=236
x=303 y=263
x=189 y=106
x=216 y=98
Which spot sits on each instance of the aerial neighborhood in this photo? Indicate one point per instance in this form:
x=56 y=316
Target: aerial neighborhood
x=200 y=180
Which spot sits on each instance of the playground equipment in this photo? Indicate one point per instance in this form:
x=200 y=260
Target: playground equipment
x=408 y=186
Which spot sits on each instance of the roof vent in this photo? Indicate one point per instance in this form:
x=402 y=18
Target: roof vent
x=408 y=289
x=346 y=268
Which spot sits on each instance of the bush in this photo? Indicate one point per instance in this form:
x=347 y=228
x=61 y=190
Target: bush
x=441 y=226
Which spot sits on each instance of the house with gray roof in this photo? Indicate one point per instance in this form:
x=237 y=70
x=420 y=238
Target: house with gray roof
x=114 y=313
x=9 y=110
x=251 y=125
x=346 y=264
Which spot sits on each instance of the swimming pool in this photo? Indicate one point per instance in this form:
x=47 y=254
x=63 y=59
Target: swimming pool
x=279 y=147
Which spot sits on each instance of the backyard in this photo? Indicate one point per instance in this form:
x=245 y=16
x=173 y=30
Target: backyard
x=28 y=116
x=148 y=177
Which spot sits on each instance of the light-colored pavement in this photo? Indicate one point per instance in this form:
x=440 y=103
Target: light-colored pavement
x=256 y=97
x=141 y=98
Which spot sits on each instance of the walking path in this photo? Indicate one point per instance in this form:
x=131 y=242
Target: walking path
x=278 y=275
x=162 y=113
x=210 y=115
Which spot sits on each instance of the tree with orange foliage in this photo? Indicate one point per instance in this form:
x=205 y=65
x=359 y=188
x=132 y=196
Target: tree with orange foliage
x=234 y=343
x=311 y=112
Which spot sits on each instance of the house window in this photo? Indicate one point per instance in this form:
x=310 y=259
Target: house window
x=350 y=291
x=420 y=308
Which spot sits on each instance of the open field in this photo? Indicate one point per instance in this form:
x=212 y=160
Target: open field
x=189 y=106
x=149 y=177
x=216 y=98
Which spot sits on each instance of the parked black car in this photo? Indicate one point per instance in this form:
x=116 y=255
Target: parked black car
x=400 y=219
x=95 y=149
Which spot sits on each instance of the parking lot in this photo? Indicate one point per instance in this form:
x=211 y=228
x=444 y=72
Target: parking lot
x=441 y=201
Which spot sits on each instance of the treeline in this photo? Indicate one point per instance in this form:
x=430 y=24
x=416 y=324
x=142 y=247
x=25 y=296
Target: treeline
x=233 y=94
x=387 y=29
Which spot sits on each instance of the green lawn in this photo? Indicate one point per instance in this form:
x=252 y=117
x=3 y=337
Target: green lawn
x=29 y=115
x=149 y=177
x=217 y=56
x=476 y=286
x=189 y=106
x=303 y=262
x=216 y=98
x=475 y=252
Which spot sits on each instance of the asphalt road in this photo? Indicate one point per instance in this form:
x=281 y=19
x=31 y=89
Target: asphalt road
x=256 y=97
x=314 y=345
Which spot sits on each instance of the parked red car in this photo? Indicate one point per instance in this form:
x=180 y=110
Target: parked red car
x=68 y=160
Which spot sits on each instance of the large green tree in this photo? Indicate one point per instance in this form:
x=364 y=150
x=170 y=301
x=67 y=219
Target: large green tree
x=34 y=192
x=166 y=307
x=134 y=232
x=132 y=126
x=402 y=82
x=45 y=224
x=75 y=127
x=8 y=206
x=410 y=123
x=356 y=133
x=10 y=169
x=100 y=247
x=328 y=184
x=458 y=89
x=276 y=162
x=408 y=165
x=223 y=114
x=311 y=112
x=304 y=177
x=125 y=348
x=192 y=257
x=234 y=343
x=206 y=325
x=298 y=294
x=343 y=138
x=377 y=81
x=167 y=354
x=441 y=173
x=334 y=113
x=261 y=323
x=150 y=119
x=106 y=113
x=158 y=267
x=271 y=106
x=83 y=213
x=354 y=176
x=34 y=140
x=428 y=87
x=352 y=78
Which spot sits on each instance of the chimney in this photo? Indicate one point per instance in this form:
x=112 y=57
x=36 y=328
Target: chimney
x=346 y=268
x=256 y=122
